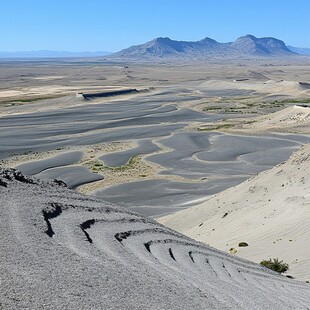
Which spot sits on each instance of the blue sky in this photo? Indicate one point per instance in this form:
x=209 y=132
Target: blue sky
x=110 y=25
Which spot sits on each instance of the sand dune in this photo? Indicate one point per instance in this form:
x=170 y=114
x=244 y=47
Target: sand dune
x=269 y=211
x=292 y=119
x=275 y=87
x=63 y=250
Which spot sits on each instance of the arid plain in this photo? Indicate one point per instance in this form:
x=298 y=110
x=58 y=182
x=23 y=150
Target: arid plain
x=181 y=134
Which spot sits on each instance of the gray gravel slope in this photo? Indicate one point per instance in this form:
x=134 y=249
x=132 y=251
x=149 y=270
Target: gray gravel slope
x=63 y=250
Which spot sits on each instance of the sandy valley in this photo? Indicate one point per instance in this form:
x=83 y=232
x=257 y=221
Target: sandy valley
x=190 y=137
x=188 y=132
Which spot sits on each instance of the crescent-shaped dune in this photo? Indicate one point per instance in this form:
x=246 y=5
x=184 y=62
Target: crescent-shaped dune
x=63 y=250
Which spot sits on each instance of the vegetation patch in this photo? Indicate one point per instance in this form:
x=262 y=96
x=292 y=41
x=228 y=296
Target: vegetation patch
x=299 y=100
x=129 y=165
x=275 y=265
x=97 y=166
x=212 y=108
x=234 y=109
x=216 y=127
x=272 y=104
x=26 y=100
x=281 y=103
x=242 y=105
x=233 y=251
x=242 y=244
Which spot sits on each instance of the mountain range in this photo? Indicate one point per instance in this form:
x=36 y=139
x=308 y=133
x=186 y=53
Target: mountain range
x=246 y=46
x=300 y=50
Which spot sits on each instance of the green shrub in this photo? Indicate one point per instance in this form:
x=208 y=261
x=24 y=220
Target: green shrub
x=275 y=265
x=243 y=244
x=96 y=166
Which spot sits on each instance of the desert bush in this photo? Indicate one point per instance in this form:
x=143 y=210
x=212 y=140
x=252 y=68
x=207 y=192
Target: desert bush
x=96 y=166
x=243 y=244
x=275 y=265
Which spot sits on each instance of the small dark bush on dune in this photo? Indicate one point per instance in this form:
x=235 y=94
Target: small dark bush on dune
x=275 y=265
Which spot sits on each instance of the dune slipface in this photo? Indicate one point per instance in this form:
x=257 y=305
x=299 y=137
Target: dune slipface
x=63 y=250
x=270 y=211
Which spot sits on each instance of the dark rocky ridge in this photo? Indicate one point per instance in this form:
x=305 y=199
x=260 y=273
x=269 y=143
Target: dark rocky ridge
x=246 y=46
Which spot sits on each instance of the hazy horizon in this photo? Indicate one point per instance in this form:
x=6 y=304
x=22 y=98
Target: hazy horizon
x=60 y=53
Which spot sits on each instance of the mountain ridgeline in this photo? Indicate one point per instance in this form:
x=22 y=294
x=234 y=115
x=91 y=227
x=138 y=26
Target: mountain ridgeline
x=246 y=46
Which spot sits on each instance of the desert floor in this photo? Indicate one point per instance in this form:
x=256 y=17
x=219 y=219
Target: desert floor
x=191 y=130
x=187 y=133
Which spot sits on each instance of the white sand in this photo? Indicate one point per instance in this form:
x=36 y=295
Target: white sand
x=292 y=119
x=271 y=212
x=282 y=87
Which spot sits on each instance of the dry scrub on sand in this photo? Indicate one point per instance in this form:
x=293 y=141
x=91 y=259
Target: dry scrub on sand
x=275 y=265
x=294 y=119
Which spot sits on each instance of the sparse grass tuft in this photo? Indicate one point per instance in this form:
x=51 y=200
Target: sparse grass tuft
x=96 y=166
x=275 y=265
x=298 y=100
x=212 y=108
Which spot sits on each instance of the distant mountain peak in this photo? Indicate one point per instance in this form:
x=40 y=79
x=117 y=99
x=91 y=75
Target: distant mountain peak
x=162 y=39
x=249 y=36
x=266 y=46
x=207 y=39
